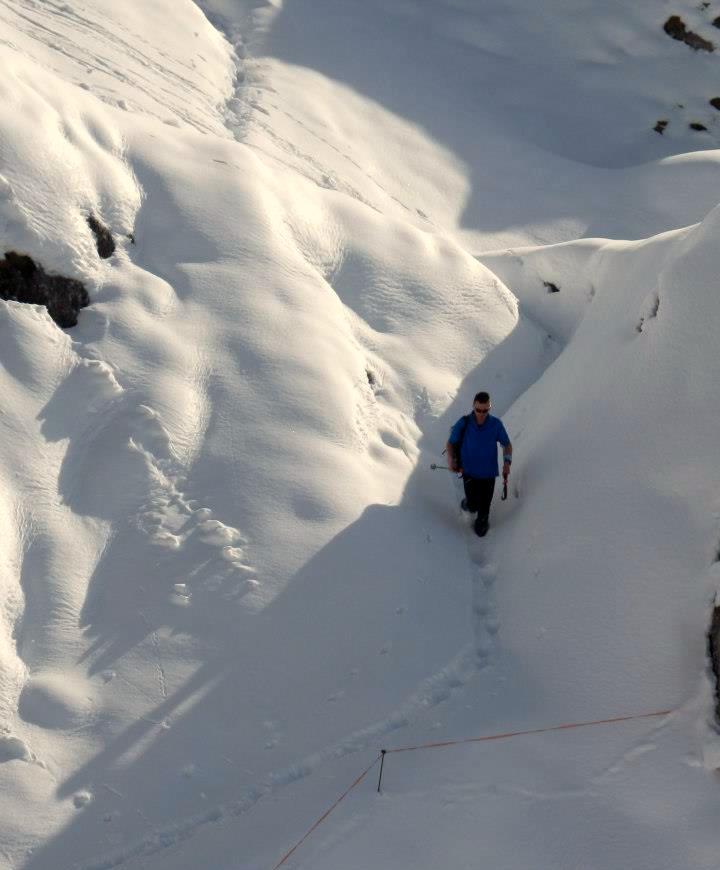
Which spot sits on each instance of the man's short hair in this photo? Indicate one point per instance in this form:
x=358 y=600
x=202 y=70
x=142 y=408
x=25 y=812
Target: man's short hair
x=482 y=397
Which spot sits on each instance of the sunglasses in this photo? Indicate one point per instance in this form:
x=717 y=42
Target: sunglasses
x=481 y=410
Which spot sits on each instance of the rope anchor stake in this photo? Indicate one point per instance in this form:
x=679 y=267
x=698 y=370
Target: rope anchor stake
x=382 y=764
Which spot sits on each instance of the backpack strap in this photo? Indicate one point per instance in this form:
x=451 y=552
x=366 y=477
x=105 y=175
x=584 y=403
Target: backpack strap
x=459 y=443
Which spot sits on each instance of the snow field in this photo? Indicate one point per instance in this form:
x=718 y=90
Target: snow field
x=229 y=573
x=658 y=374
x=144 y=383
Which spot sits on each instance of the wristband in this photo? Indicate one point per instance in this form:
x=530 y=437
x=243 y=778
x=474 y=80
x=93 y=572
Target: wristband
x=507 y=459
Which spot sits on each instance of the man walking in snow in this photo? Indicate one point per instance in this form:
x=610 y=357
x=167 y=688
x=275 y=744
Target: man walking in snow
x=472 y=450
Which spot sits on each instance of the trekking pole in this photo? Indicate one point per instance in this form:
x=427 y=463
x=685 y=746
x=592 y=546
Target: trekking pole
x=435 y=467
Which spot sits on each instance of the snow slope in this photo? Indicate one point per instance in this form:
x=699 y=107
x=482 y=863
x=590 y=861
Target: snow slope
x=228 y=575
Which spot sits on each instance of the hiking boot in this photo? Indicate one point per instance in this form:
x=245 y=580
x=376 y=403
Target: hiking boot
x=481 y=526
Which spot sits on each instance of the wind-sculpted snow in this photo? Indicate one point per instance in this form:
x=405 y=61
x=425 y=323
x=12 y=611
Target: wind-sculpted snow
x=63 y=160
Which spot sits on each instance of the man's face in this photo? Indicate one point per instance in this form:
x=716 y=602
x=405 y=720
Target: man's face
x=481 y=410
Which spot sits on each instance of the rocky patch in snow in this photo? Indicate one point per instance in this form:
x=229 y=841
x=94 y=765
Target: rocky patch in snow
x=23 y=280
x=675 y=27
x=103 y=237
x=714 y=653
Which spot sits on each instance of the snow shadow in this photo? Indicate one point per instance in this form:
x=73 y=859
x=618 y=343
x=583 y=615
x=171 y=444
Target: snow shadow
x=453 y=70
x=167 y=251
x=222 y=738
x=346 y=688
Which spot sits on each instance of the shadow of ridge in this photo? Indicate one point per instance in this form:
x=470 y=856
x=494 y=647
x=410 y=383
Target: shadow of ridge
x=507 y=372
x=321 y=677
x=151 y=224
x=333 y=648
x=444 y=92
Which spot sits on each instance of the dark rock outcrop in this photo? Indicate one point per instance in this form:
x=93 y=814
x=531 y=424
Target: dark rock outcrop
x=675 y=27
x=715 y=103
x=551 y=288
x=660 y=127
x=23 y=280
x=103 y=237
x=697 y=126
x=714 y=654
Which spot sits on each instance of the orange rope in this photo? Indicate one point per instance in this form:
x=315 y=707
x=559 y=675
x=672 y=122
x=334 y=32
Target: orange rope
x=507 y=734
x=441 y=744
x=327 y=813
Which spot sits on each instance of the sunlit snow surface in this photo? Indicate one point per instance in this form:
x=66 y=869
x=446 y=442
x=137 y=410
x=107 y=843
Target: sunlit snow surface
x=228 y=576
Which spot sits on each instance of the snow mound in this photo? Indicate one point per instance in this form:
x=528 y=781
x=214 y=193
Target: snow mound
x=64 y=162
x=13 y=749
x=55 y=700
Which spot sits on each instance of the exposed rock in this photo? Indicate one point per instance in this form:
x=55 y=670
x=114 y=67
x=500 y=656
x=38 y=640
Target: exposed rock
x=696 y=126
x=714 y=654
x=103 y=237
x=22 y=280
x=551 y=288
x=660 y=127
x=675 y=27
x=716 y=22
x=715 y=103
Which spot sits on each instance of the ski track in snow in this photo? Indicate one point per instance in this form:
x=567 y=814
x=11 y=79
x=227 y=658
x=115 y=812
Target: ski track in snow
x=70 y=34
x=246 y=105
x=327 y=178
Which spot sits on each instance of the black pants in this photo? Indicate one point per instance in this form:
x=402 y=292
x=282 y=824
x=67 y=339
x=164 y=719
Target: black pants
x=479 y=494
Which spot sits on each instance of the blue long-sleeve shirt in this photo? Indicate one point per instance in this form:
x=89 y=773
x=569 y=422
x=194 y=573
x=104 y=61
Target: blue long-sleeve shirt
x=478 y=455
